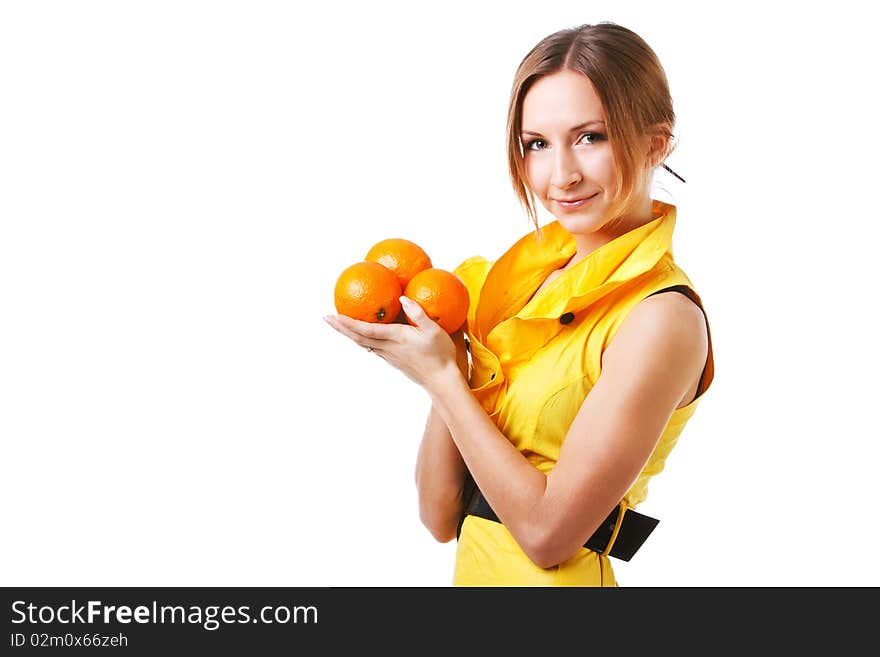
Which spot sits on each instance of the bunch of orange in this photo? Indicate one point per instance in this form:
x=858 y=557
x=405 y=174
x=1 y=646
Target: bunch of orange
x=369 y=290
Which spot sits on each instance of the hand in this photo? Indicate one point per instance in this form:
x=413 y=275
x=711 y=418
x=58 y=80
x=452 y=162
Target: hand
x=425 y=352
x=461 y=354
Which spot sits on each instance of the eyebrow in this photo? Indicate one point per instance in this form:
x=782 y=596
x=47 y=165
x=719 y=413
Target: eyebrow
x=574 y=129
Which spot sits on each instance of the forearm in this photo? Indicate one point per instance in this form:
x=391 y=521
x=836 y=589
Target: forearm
x=513 y=487
x=440 y=476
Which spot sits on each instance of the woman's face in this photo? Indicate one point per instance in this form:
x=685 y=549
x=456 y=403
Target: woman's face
x=566 y=150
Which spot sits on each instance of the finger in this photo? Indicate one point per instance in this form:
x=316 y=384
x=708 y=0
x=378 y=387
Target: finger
x=359 y=339
x=415 y=312
x=374 y=330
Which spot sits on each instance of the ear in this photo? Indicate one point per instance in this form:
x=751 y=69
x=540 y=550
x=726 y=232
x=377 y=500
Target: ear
x=659 y=142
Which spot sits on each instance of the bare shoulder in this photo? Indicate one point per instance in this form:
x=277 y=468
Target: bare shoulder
x=670 y=313
x=666 y=335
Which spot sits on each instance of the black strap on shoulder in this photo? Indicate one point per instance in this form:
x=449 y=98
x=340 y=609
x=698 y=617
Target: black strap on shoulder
x=684 y=289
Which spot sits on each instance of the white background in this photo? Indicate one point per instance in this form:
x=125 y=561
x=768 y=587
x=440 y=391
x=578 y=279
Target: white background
x=181 y=183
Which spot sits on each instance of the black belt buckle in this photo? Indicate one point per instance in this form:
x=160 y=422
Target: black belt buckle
x=634 y=531
x=634 y=528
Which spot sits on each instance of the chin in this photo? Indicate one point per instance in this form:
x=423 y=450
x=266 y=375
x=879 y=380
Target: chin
x=586 y=220
x=576 y=223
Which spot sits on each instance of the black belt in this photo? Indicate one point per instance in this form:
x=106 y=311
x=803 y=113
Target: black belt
x=634 y=528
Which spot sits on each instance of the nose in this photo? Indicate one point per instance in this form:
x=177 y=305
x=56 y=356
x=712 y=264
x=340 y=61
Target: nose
x=565 y=170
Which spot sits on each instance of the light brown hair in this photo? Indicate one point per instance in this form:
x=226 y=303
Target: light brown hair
x=634 y=91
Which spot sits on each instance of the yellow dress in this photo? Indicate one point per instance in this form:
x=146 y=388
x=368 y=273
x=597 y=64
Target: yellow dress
x=535 y=359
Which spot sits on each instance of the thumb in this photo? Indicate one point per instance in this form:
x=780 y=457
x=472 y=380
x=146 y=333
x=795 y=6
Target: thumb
x=414 y=311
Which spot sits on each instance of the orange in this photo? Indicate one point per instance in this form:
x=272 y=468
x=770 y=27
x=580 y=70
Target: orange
x=369 y=292
x=404 y=258
x=442 y=296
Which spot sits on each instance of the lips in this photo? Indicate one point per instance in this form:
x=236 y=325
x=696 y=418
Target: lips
x=573 y=206
x=575 y=200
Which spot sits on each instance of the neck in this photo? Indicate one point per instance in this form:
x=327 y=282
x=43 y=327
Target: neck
x=589 y=242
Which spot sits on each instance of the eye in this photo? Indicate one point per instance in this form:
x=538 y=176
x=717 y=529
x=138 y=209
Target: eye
x=594 y=137
x=538 y=144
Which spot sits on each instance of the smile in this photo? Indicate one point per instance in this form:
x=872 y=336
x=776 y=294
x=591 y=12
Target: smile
x=576 y=204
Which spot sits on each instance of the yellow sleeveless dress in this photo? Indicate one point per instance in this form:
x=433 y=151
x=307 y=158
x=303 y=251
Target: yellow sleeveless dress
x=535 y=359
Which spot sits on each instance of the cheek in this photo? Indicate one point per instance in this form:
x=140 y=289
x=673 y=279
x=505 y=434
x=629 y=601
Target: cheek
x=534 y=175
x=602 y=165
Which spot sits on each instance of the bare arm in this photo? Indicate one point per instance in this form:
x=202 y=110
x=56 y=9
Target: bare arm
x=647 y=370
x=440 y=470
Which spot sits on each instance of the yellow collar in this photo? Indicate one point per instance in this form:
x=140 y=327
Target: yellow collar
x=514 y=277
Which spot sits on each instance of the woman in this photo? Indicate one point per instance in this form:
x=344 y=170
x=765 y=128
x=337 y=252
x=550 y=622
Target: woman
x=589 y=348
